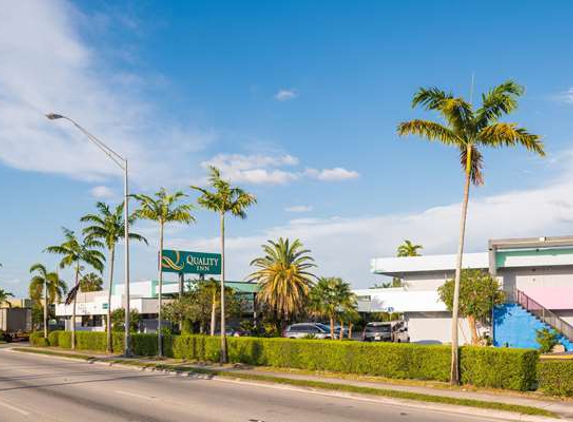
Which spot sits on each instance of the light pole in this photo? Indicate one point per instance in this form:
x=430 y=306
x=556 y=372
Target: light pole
x=122 y=163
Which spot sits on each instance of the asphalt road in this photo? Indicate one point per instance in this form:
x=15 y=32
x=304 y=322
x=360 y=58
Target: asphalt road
x=41 y=388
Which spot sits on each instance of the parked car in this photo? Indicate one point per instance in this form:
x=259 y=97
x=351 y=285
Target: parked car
x=394 y=331
x=319 y=331
x=336 y=330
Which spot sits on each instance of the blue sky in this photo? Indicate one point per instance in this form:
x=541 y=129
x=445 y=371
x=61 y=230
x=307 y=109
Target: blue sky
x=297 y=102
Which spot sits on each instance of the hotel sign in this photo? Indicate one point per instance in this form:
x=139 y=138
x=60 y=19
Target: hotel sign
x=185 y=262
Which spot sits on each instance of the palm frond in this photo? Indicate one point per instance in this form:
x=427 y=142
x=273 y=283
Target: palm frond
x=508 y=134
x=430 y=130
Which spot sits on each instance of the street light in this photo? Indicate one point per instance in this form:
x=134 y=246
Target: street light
x=122 y=163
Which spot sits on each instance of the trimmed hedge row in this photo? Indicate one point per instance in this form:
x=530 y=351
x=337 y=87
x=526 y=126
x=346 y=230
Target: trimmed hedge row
x=556 y=377
x=514 y=369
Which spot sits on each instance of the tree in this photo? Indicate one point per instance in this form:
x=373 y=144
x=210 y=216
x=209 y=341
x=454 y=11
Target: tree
x=195 y=306
x=284 y=278
x=224 y=199
x=164 y=208
x=479 y=293
x=76 y=252
x=108 y=226
x=47 y=286
x=118 y=319
x=408 y=249
x=4 y=295
x=91 y=282
x=469 y=130
x=331 y=297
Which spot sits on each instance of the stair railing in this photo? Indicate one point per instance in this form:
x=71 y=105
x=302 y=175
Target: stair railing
x=545 y=315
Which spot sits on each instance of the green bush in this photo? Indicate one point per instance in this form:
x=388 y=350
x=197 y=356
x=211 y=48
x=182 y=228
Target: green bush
x=65 y=339
x=556 y=377
x=547 y=339
x=37 y=339
x=54 y=338
x=512 y=369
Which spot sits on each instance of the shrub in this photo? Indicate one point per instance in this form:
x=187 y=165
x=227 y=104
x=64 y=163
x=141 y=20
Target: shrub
x=37 y=339
x=65 y=339
x=556 y=377
x=547 y=339
x=94 y=341
x=512 y=369
x=54 y=338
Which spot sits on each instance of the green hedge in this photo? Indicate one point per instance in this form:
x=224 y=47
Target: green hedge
x=514 y=369
x=54 y=338
x=556 y=377
x=511 y=369
x=37 y=339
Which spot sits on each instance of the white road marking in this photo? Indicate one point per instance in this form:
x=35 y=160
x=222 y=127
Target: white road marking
x=137 y=396
x=14 y=408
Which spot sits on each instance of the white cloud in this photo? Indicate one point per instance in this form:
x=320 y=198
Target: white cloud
x=344 y=246
x=286 y=94
x=46 y=67
x=567 y=96
x=299 y=208
x=102 y=192
x=333 y=175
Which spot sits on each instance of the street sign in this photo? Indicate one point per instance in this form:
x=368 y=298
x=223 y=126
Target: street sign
x=185 y=262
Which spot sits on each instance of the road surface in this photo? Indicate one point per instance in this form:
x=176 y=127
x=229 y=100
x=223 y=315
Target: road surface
x=42 y=388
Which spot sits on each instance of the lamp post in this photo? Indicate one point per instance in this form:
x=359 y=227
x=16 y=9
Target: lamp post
x=122 y=163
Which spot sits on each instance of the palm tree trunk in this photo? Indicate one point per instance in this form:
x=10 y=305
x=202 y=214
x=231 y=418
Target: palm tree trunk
x=160 y=297
x=341 y=336
x=214 y=310
x=350 y=325
x=223 y=334
x=74 y=307
x=109 y=293
x=45 y=307
x=455 y=370
x=331 y=327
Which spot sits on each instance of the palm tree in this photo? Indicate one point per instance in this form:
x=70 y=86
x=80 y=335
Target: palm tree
x=224 y=199
x=91 y=282
x=409 y=249
x=330 y=298
x=108 y=226
x=76 y=252
x=164 y=208
x=48 y=285
x=469 y=130
x=284 y=277
x=4 y=295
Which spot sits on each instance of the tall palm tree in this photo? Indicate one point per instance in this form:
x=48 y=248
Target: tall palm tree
x=108 y=226
x=4 y=295
x=48 y=285
x=469 y=130
x=330 y=298
x=164 y=208
x=223 y=199
x=76 y=252
x=284 y=277
x=409 y=249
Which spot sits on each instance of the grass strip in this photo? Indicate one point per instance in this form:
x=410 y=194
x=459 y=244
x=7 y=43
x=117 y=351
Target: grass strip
x=321 y=385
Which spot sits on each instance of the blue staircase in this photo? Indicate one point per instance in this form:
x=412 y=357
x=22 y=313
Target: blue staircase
x=515 y=326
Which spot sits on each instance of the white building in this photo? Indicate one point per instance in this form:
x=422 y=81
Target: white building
x=536 y=273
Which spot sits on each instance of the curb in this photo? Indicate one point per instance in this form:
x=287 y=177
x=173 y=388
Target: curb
x=453 y=409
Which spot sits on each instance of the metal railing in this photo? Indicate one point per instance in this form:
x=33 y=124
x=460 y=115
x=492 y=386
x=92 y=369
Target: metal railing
x=544 y=314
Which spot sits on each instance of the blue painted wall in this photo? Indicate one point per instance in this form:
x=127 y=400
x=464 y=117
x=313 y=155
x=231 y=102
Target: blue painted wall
x=516 y=327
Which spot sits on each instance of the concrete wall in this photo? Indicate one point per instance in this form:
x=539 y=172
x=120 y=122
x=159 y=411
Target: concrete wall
x=435 y=328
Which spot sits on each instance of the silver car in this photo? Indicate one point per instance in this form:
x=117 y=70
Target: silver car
x=303 y=330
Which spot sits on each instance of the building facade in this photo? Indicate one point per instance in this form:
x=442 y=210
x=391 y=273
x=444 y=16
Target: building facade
x=536 y=275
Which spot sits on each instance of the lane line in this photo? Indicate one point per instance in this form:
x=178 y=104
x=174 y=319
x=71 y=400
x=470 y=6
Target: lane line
x=14 y=409
x=137 y=396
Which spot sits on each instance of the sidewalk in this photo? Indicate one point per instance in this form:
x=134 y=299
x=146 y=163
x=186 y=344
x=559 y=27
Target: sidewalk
x=563 y=408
